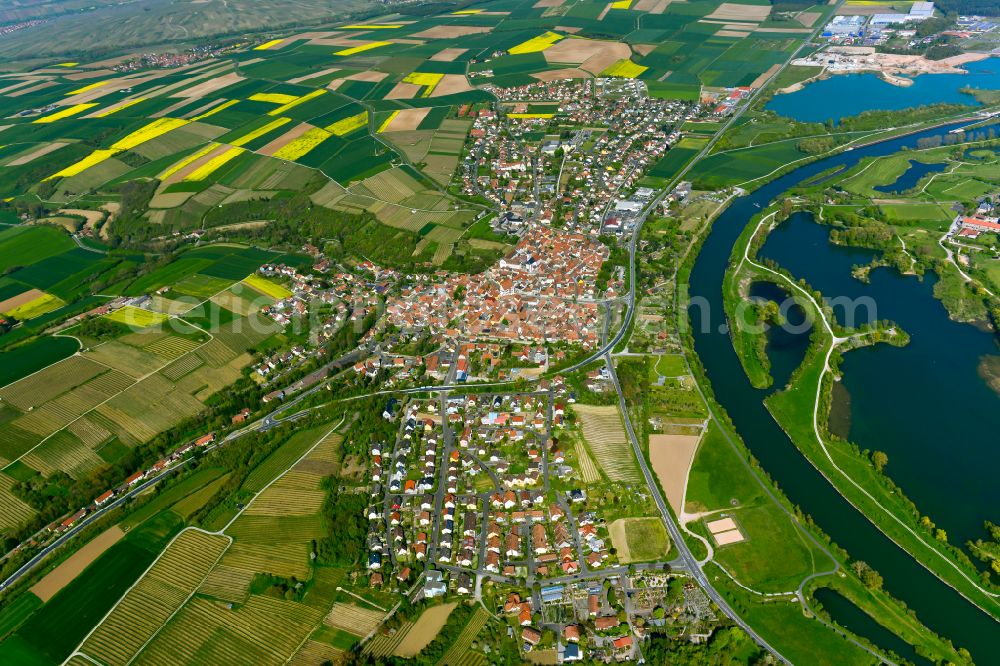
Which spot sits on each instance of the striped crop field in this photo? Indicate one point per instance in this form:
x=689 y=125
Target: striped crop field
x=603 y=430
x=63 y=452
x=227 y=584
x=588 y=470
x=182 y=366
x=13 y=511
x=286 y=560
x=50 y=382
x=384 y=645
x=171 y=347
x=270 y=529
x=353 y=618
x=294 y=494
x=313 y=652
x=264 y=630
x=266 y=287
x=458 y=650
x=161 y=591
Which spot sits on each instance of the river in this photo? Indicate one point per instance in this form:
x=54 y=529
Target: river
x=937 y=605
x=844 y=95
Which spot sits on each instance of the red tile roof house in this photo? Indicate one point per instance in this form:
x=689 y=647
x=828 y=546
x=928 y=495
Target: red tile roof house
x=531 y=636
x=134 y=479
x=103 y=498
x=622 y=643
x=606 y=622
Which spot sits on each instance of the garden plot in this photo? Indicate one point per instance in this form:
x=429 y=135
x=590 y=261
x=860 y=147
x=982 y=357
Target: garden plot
x=603 y=430
x=162 y=590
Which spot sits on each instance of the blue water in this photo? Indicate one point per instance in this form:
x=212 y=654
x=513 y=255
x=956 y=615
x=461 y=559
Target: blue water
x=937 y=605
x=910 y=177
x=845 y=95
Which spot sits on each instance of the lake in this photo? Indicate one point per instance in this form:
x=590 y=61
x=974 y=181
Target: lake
x=924 y=404
x=843 y=95
x=937 y=605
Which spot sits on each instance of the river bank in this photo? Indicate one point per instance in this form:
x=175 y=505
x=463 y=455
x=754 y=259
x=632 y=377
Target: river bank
x=935 y=603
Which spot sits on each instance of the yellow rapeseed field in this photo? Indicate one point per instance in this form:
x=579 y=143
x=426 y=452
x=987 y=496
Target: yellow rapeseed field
x=424 y=79
x=115 y=109
x=154 y=129
x=529 y=116
x=266 y=287
x=88 y=88
x=388 y=121
x=260 y=131
x=64 y=113
x=90 y=160
x=35 y=308
x=349 y=124
x=536 y=44
x=177 y=166
x=268 y=45
x=372 y=26
x=136 y=317
x=273 y=98
x=297 y=148
x=621 y=4
x=295 y=102
x=212 y=112
x=359 y=49
x=209 y=167
x=625 y=69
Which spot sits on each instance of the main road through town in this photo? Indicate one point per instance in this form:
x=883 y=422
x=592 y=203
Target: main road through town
x=685 y=554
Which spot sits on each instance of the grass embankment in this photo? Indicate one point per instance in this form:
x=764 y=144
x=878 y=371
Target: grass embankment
x=892 y=615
